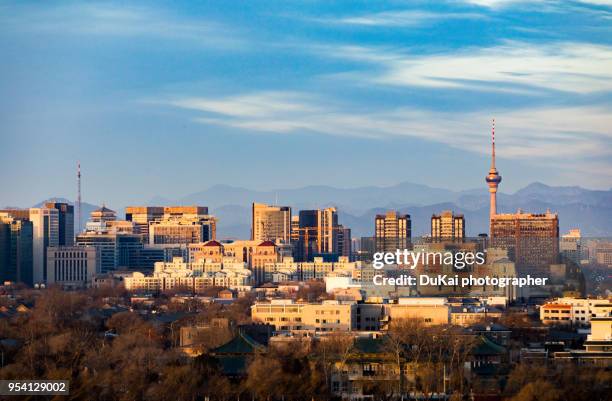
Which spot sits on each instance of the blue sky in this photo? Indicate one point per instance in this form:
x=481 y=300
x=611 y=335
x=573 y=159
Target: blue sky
x=161 y=99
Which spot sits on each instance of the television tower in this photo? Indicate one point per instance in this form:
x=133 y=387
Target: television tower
x=78 y=202
x=493 y=178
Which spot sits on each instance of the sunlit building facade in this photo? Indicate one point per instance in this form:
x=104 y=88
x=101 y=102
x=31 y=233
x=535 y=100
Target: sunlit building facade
x=532 y=240
x=45 y=233
x=392 y=231
x=447 y=225
x=270 y=223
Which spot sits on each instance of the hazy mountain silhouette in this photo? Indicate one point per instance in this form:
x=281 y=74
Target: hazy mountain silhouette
x=589 y=210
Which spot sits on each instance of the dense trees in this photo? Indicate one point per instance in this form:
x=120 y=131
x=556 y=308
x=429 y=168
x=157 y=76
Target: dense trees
x=123 y=355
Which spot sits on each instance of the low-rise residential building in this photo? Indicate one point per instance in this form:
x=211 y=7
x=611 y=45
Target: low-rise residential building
x=430 y=311
x=190 y=276
x=574 y=310
x=288 y=270
x=286 y=315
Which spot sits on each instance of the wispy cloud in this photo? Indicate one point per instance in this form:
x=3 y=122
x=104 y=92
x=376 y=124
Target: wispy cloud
x=530 y=134
x=255 y=105
x=567 y=67
x=506 y=3
x=399 y=18
x=111 y=20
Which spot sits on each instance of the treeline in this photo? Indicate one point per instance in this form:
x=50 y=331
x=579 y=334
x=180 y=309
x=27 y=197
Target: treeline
x=127 y=357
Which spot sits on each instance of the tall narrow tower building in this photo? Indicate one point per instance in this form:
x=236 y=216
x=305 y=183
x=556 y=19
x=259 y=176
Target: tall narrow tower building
x=493 y=178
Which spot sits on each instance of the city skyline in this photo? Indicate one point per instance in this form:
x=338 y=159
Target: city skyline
x=303 y=200
x=203 y=95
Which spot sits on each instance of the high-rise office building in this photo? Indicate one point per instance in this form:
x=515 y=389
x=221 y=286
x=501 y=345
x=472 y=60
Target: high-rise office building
x=66 y=222
x=71 y=266
x=114 y=249
x=392 y=231
x=183 y=225
x=345 y=243
x=7 y=273
x=570 y=245
x=181 y=231
x=447 y=225
x=15 y=249
x=141 y=216
x=318 y=234
x=271 y=223
x=45 y=233
x=21 y=214
x=185 y=212
x=532 y=239
x=295 y=229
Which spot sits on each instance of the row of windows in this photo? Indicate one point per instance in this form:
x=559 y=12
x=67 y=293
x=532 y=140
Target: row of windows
x=327 y=321
x=71 y=273
x=71 y=254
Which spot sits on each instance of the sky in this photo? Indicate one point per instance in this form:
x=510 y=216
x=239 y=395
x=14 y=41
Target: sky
x=166 y=99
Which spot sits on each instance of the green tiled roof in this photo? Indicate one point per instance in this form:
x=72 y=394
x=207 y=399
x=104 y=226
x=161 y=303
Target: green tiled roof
x=241 y=344
x=487 y=347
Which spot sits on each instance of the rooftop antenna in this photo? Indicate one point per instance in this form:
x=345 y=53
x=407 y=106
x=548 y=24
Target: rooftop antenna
x=78 y=203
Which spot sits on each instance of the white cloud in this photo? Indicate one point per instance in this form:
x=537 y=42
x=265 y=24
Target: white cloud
x=255 y=105
x=506 y=3
x=110 y=20
x=511 y=66
x=399 y=18
x=567 y=133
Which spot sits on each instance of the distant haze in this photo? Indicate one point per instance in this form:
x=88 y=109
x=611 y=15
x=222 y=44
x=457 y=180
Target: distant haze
x=589 y=210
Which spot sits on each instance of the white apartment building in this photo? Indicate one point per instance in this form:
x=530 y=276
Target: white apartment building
x=288 y=270
x=195 y=276
x=574 y=310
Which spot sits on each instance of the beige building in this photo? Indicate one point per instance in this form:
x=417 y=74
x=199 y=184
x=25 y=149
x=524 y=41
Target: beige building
x=332 y=316
x=194 y=277
x=289 y=270
x=186 y=230
x=271 y=223
x=447 y=225
x=71 y=266
x=431 y=311
x=255 y=254
x=295 y=228
x=141 y=216
x=286 y=315
x=185 y=212
x=392 y=231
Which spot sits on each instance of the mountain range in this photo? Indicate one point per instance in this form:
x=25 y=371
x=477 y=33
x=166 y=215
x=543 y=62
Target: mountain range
x=589 y=210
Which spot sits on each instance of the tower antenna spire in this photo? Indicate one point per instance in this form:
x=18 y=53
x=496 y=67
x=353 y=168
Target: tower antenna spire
x=493 y=144
x=78 y=203
x=493 y=178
